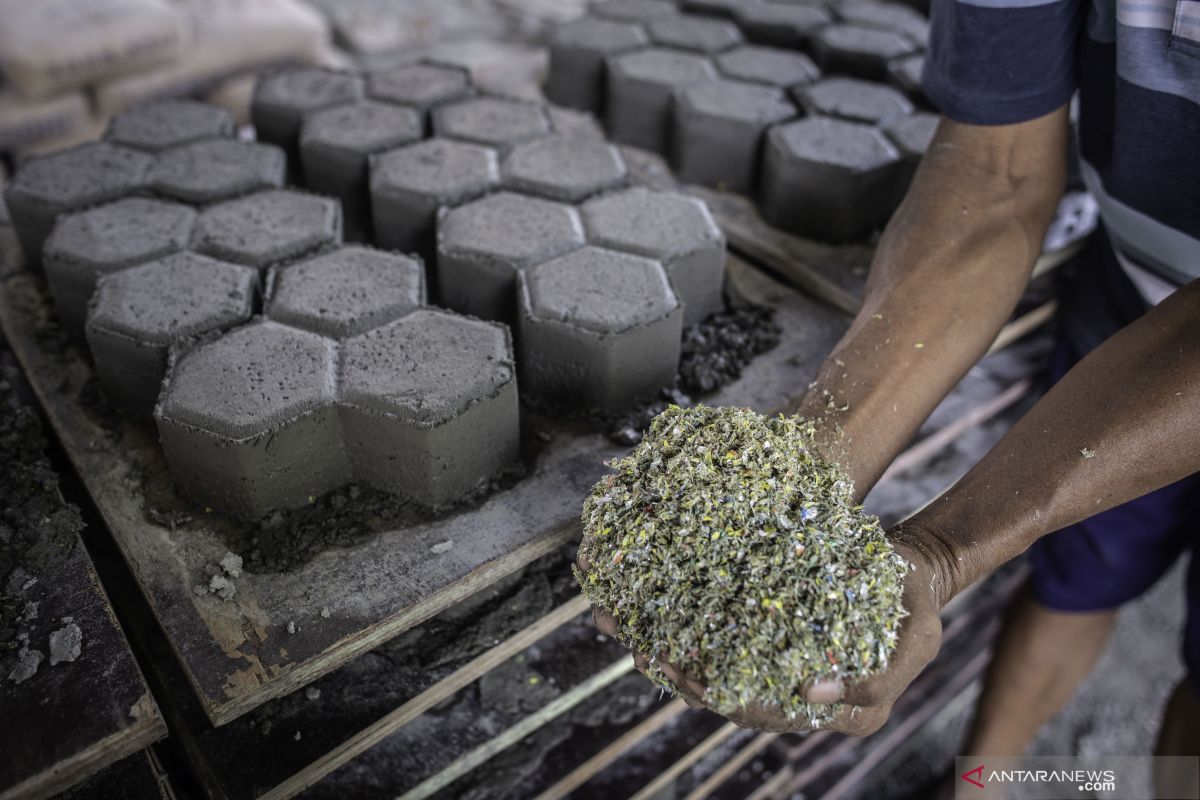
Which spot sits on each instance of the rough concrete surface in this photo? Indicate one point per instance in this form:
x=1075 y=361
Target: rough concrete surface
x=410 y=184
x=495 y=121
x=221 y=169
x=429 y=405
x=65 y=181
x=860 y=51
x=598 y=328
x=887 y=16
x=168 y=123
x=771 y=66
x=640 y=87
x=269 y=227
x=633 y=10
x=697 y=34
x=718 y=130
x=905 y=74
x=483 y=245
x=138 y=314
x=781 y=24
x=419 y=86
x=282 y=98
x=335 y=144
x=105 y=239
x=561 y=167
x=828 y=179
x=577 y=52
x=677 y=230
x=853 y=100
x=346 y=292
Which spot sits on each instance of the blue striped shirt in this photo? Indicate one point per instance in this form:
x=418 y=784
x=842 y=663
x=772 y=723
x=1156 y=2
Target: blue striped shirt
x=1136 y=67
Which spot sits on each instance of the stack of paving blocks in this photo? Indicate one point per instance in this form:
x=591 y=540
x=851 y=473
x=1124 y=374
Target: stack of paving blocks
x=278 y=362
x=809 y=106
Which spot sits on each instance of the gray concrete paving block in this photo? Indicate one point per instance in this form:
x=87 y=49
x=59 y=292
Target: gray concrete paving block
x=282 y=98
x=828 y=179
x=69 y=180
x=495 y=121
x=888 y=16
x=718 y=130
x=484 y=244
x=853 y=100
x=633 y=10
x=860 y=51
x=905 y=74
x=781 y=24
x=218 y=169
x=169 y=123
x=598 y=329
x=911 y=136
x=640 y=87
x=696 y=34
x=577 y=52
x=562 y=167
x=771 y=66
x=248 y=422
x=269 y=227
x=420 y=86
x=410 y=184
x=108 y=238
x=138 y=314
x=711 y=8
x=429 y=405
x=346 y=292
x=672 y=228
x=335 y=144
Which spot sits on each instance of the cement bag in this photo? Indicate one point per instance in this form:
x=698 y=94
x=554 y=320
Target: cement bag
x=225 y=38
x=49 y=46
x=24 y=122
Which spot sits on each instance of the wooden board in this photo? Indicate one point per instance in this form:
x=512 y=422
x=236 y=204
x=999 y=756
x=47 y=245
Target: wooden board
x=239 y=653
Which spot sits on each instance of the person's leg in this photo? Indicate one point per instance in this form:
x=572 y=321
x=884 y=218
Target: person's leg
x=1180 y=732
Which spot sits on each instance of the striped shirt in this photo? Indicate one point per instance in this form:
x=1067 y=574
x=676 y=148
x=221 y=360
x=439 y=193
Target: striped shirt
x=1136 y=67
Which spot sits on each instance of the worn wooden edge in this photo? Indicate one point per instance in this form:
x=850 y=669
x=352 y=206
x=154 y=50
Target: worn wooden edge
x=83 y=765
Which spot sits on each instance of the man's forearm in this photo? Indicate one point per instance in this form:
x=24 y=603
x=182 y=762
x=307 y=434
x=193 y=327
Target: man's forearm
x=948 y=272
x=1123 y=422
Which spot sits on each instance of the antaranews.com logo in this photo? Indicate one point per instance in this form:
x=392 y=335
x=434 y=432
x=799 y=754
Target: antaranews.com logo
x=1070 y=777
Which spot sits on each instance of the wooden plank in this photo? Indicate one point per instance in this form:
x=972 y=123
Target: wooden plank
x=727 y=770
x=613 y=751
x=668 y=776
x=239 y=653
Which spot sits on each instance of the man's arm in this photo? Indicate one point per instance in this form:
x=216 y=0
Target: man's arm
x=947 y=274
x=1125 y=421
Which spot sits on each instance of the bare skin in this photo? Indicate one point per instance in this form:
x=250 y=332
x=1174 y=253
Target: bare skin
x=947 y=274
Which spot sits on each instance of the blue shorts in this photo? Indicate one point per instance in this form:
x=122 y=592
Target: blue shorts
x=1113 y=557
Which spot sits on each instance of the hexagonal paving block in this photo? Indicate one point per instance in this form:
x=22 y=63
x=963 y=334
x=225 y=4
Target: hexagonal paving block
x=69 y=180
x=346 y=292
x=633 y=10
x=717 y=135
x=568 y=168
x=640 y=85
x=268 y=227
x=672 y=228
x=248 y=422
x=139 y=313
x=888 y=16
x=905 y=74
x=335 y=144
x=409 y=185
x=157 y=126
x=420 y=86
x=282 y=98
x=770 y=66
x=491 y=120
x=859 y=50
x=577 y=52
x=599 y=329
x=429 y=405
x=697 y=34
x=219 y=169
x=482 y=246
x=853 y=100
x=912 y=136
x=781 y=25
x=828 y=179
x=108 y=238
